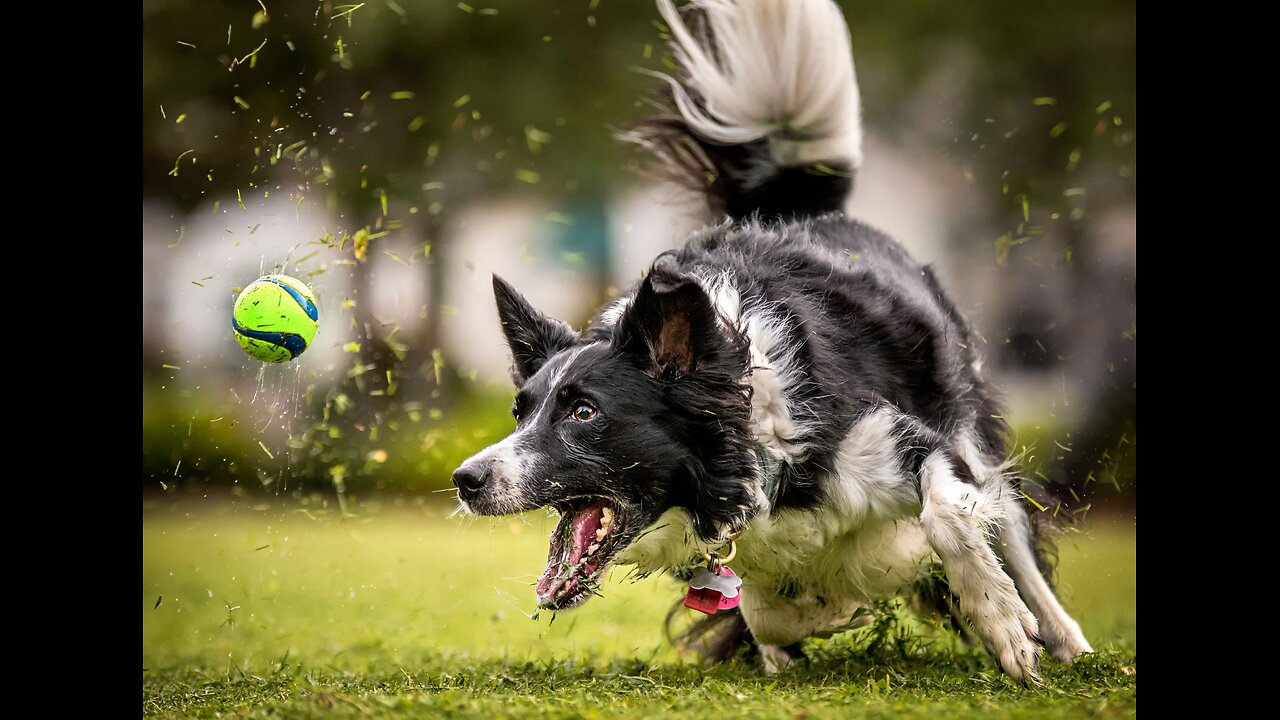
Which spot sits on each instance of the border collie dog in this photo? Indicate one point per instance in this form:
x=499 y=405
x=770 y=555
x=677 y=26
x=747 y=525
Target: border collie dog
x=789 y=378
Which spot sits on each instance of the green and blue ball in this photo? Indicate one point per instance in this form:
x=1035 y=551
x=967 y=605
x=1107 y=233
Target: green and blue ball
x=275 y=318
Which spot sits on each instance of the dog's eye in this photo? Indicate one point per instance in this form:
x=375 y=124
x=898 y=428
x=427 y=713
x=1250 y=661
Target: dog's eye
x=515 y=412
x=583 y=412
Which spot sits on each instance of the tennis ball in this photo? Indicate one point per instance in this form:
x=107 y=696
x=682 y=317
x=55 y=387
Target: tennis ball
x=275 y=318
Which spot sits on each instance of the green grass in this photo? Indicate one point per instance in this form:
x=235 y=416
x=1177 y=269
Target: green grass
x=395 y=612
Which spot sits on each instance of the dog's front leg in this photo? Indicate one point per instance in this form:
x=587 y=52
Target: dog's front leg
x=1061 y=633
x=958 y=518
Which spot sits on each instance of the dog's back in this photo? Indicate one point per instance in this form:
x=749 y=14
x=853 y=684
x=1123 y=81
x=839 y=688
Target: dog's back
x=847 y=323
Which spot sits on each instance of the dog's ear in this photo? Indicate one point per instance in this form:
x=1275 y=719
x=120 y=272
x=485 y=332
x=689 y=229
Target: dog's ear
x=532 y=336
x=670 y=324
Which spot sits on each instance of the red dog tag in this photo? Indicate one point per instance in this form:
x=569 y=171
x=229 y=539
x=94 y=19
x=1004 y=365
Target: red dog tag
x=704 y=601
x=711 y=592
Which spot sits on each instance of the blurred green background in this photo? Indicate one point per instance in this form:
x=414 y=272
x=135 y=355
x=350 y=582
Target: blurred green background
x=390 y=153
x=393 y=153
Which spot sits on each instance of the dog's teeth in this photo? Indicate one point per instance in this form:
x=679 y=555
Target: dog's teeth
x=592 y=548
x=601 y=532
x=606 y=516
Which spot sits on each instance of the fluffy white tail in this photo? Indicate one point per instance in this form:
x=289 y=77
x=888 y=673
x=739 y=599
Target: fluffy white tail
x=766 y=115
x=775 y=69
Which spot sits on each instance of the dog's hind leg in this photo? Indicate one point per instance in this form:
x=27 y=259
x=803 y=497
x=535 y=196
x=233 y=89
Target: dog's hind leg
x=1061 y=634
x=956 y=517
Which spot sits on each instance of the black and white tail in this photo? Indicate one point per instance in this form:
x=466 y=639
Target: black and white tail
x=763 y=113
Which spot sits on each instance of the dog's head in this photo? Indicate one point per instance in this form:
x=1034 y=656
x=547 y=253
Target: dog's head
x=613 y=432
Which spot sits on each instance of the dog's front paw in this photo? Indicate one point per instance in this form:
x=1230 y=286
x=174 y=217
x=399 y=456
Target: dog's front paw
x=1014 y=645
x=1020 y=661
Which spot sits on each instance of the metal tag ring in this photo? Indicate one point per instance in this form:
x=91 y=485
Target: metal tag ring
x=714 y=558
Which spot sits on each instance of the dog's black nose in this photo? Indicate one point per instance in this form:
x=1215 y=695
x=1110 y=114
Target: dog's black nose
x=470 y=478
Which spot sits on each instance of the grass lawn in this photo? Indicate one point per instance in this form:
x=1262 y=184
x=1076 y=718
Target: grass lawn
x=257 y=611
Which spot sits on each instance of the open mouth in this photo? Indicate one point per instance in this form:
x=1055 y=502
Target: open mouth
x=587 y=537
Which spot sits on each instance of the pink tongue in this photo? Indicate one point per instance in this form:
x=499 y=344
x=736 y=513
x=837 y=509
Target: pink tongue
x=556 y=579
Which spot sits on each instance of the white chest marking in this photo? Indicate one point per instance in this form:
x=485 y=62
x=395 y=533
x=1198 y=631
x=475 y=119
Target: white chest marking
x=863 y=543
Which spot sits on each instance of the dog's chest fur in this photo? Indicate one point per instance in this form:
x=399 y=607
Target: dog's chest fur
x=817 y=566
x=805 y=573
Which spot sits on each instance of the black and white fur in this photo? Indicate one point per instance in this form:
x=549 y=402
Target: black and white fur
x=789 y=374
